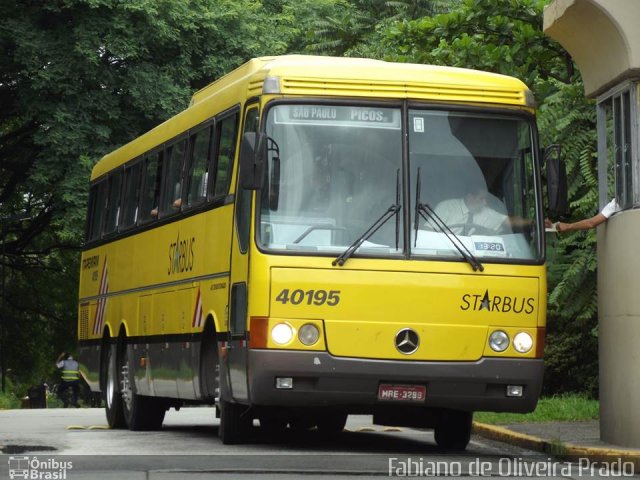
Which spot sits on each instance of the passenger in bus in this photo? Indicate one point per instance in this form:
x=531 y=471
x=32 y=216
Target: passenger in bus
x=588 y=223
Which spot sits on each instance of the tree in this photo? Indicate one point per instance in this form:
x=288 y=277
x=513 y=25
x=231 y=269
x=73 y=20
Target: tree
x=340 y=27
x=79 y=78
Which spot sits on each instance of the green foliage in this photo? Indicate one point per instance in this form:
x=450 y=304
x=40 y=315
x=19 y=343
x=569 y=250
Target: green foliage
x=344 y=27
x=79 y=78
x=8 y=401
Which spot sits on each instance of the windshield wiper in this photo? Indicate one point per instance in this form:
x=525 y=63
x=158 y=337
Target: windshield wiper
x=425 y=211
x=393 y=210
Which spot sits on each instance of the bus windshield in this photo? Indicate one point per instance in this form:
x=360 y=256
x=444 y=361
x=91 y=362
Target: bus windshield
x=334 y=171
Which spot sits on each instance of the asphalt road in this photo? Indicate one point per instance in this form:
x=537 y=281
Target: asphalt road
x=188 y=447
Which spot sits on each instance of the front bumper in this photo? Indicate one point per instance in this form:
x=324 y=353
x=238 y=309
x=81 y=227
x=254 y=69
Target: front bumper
x=320 y=379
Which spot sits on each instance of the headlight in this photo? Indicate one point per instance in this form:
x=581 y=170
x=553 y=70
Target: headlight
x=522 y=342
x=308 y=334
x=282 y=333
x=499 y=341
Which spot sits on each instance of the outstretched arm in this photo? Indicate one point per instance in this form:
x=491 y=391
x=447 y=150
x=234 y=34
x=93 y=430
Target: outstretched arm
x=585 y=224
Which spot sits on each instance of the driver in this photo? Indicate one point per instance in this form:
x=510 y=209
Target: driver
x=471 y=215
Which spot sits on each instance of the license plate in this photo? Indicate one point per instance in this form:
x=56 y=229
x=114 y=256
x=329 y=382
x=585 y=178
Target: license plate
x=402 y=393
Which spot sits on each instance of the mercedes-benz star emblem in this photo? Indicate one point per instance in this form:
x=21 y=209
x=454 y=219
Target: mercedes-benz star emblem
x=407 y=341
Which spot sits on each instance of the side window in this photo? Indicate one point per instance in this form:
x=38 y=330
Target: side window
x=198 y=176
x=131 y=194
x=151 y=187
x=113 y=205
x=172 y=192
x=97 y=208
x=226 y=131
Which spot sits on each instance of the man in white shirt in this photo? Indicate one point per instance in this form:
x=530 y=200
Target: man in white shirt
x=588 y=223
x=471 y=215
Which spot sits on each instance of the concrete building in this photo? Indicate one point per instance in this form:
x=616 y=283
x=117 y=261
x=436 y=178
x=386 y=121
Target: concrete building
x=603 y=37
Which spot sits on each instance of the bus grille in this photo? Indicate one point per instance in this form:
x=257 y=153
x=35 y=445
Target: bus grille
x=83 y=325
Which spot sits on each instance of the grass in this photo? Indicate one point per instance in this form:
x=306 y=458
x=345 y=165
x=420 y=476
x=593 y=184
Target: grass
x=8 y=401
x=567 y=408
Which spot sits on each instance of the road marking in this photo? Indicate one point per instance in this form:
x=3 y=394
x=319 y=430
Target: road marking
x=91 y=427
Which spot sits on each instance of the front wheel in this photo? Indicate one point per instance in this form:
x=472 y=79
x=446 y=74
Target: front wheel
x=235 y=423
x=453 y=431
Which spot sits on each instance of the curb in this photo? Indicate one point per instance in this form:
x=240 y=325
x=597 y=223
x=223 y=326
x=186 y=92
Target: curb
x=556 y=448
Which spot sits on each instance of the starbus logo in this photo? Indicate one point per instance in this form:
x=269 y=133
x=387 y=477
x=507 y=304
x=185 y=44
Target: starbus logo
x=35 y=469
x=181 y=255
x=497 y=303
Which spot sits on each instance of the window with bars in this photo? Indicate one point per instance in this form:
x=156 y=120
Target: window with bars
x=618 y=138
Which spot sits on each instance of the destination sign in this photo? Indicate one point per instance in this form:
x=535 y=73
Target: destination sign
x=339 y=116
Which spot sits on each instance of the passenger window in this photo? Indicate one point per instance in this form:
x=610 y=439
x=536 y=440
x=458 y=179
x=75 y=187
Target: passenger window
x=172 y=193
x=198 y=171
x=113 y=205
x=226 y=135
x=151 y=187
x=97 y=207
x=132 y=194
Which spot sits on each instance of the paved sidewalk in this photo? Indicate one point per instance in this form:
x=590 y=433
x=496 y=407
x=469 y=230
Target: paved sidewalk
x=570 y=439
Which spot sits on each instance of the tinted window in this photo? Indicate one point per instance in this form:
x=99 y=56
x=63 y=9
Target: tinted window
x=198 y=171
x=131 y=194
x=113 y=205
x=151 y=183
x=97 y=208
x=226 y=135
x=172 y=193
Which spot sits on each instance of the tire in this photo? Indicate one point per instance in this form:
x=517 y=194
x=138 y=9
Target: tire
x=332 y=423
x=235 y=423
x=454 y=430
x=111 y=390
x=140 y=412
x=209 y=365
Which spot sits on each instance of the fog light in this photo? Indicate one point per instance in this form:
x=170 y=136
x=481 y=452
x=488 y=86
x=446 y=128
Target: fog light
x=514 y=390
x=308 y=334
x=499 y=341
x=284 y=383
x=282 y=333
x=522 y=342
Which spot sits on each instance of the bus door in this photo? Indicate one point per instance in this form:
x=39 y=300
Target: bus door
x=237 y=345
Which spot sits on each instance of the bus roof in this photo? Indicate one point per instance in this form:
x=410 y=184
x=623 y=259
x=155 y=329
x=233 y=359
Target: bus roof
x=315 y=76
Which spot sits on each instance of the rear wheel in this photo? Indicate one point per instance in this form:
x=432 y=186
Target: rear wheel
x=111 y=388
x=209 y=365
x=140 y=412
x=235 y=423
x=454 y=430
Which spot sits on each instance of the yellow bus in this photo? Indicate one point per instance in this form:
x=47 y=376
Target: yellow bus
x=315 y=237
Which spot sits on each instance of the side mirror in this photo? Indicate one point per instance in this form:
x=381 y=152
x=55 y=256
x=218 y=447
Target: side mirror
x=252 y=160
x=557 y=189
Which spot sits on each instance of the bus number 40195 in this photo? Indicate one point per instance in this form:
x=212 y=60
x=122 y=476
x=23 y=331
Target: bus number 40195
x=309 y=297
